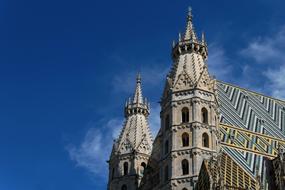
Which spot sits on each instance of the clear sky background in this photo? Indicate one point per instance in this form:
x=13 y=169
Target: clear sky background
x=67 y=67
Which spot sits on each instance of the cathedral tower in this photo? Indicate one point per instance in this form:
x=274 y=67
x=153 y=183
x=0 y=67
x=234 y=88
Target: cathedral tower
x=189 y=113
x=131 y=151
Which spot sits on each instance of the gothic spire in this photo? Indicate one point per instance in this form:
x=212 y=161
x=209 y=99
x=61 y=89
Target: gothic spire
x=138 y=98
x=203 y=40
x=138 y=104
x=189 y=41
x=190 y=32
x=135 y=134
x=133 y=147
x=189 y=55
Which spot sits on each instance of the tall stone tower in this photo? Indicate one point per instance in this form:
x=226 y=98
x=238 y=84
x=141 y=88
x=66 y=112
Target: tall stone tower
x=131 y=151
x=189 y=113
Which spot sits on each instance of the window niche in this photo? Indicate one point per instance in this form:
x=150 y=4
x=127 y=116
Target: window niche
x=204 y=114
x=185 y=167
x=142 y=168
x=166 y=147
x=205 y=140
x=185 y=139
x=167 y=122
x=113 y=173
x=185 y=115
x=166 y=173
x=124 y=187
x=126 y=168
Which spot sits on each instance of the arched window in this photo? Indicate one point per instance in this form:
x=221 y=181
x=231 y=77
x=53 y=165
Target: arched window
x=167 y=122
x=184 y=189
x=142 y=169
x=205 y=140
x=166 y=175
x=126 y=168
x=113 y=173
x=124 y=187
x=185 y=167
x=185 y=115
x=185 y=139
x=166 y=147
x=204 y=115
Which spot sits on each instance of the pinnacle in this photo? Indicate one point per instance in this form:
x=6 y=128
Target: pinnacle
x=203 y=41
x=138 y=98
x=190 y=32
x=137 y=104
x=189 y=40
x=190 y=12
x=139 y=78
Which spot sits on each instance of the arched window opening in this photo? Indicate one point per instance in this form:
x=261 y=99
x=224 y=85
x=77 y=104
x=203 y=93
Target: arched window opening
x=124 y=187
x=204 y=115
x=142 y=168
x=166 y=175
x=167 y=122
x=113 y=173
x=166 y=147
x=126 y=168
x=184 y=189
x=205 y=140
x=185 y=167
x=185 y=139
x=185 y=115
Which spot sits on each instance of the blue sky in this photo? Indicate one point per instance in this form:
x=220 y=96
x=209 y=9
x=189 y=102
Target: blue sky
x=67 y=67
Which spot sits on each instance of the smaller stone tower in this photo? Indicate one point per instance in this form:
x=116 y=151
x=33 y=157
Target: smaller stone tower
x=131 y=151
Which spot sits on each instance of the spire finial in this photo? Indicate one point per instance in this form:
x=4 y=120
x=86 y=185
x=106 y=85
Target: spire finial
x=189 y=12
x=138 y=98
x=173 y=43
x=139 y=78
x=137 y=104
x=190 y=32
x=203 y=38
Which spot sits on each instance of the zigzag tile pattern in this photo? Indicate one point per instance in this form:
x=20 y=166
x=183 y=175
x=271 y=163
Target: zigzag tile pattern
x=250 y=141
x=254 y=112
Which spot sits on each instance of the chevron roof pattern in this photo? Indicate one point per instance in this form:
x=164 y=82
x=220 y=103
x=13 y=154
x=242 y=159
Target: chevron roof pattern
x=255 y=112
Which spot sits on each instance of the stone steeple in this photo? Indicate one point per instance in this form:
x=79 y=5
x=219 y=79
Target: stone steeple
x=190 y=32
x=189 y=55
x=189 y=115
x=136 y=135
x=138 y=98
x=133 y=147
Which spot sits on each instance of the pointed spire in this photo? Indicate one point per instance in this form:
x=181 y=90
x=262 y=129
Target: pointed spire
x=138 y=98
x=190 y=16
x=173 y=43
x=203 y=41
x=190 y=32
x=136 y=125
x=137 y=104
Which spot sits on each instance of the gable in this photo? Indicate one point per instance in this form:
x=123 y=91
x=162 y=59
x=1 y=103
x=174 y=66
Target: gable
x=183 y=82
